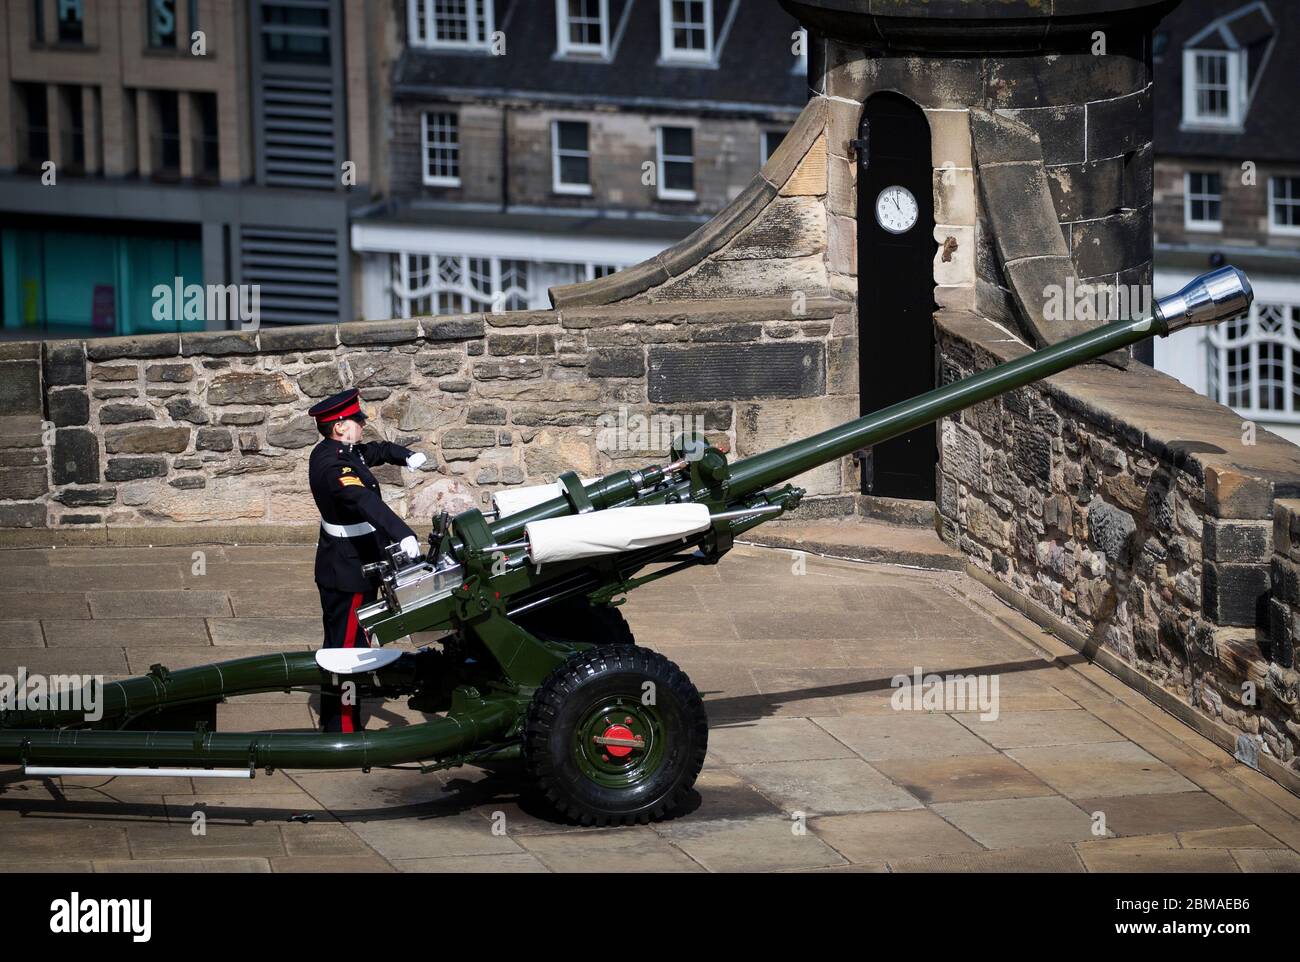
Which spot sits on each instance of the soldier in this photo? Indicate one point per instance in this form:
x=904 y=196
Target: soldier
x=356 y=525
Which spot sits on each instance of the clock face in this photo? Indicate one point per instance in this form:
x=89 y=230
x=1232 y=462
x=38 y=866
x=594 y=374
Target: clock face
x=896 y=209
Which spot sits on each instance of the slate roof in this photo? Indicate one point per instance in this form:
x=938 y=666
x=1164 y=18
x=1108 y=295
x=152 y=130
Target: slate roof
x=754 y=64
x=1272 y=132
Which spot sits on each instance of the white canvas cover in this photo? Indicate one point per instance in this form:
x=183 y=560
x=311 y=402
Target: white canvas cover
x=352 y=661
x=513 y=500
x=612 y=530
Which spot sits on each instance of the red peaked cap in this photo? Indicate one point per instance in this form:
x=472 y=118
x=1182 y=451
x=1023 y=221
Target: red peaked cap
x=345 y=404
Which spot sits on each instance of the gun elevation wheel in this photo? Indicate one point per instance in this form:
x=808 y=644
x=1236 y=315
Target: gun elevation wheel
x=616 y=736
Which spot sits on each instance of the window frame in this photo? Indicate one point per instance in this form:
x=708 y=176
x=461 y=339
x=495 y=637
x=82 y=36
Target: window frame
x=1283 y=230
x=1235 y=72
x=763 y=154
x=669 y=53
x=148 y=29
x=438 y=180
x=1203 y=226
x=430 y=40
x=404 y=295
x=557 y=185
x=80 y=40
x=565 y=47
x=1253 y=341
x=663 y=191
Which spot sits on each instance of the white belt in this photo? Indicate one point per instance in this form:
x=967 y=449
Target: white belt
x=347 y=530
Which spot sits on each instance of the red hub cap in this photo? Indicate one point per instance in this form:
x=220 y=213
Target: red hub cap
x=618 y=731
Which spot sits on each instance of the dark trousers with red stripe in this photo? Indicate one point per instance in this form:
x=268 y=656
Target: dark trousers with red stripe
x=339 y=614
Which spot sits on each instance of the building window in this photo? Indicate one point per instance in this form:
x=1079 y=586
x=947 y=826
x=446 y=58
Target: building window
x=1213 y=88
x=1284 y=205
x=431 y=283
x=440 y=140
x=296 y=33
x=207 y=149
x=34 y=126
x=73 y=283
x=165 y=139
x=450 y=23
x=71 y=21
x=686 y=30
x=571 y=157
x=38 y=22
x=73 y=135
x=1203 y=201
x=770 y=141
x=676 y=163
x=582 y=27
x=162 y=24
x=1255 y=362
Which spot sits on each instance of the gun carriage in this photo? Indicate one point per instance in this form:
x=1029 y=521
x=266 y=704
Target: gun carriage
x=536 y=661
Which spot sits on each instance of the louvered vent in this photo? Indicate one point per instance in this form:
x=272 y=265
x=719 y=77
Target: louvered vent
x=297 y=270
x=298 y=132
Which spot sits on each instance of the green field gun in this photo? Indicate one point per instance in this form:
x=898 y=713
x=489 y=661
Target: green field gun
x=535 y=661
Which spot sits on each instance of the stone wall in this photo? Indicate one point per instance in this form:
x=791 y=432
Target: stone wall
x=1284 y=605
x=211 y=428
x=621 y=142
x=1145 y=530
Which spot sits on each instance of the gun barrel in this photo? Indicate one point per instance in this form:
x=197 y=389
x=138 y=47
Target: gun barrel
x=1209 y=299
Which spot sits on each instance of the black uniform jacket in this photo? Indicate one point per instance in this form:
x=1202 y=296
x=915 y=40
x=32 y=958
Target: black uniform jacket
x=347 y=493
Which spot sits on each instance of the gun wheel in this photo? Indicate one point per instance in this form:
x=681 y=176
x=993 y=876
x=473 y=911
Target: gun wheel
x=616 y=736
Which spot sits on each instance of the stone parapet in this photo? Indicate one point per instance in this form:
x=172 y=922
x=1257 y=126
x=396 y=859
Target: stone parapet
x=1147 y=528
x=210 y=428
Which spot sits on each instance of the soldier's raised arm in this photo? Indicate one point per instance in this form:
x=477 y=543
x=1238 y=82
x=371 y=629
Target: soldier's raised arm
x=385 y=452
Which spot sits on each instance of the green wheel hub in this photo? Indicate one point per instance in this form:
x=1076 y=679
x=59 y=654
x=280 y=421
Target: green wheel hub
x=619 y=742
x=603 y=756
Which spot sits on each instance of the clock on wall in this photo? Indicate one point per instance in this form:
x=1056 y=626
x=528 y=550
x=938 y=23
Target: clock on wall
x=896 y=255
x=896 y=209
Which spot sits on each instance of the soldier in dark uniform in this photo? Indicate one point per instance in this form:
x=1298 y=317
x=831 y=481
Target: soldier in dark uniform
x=356 y=525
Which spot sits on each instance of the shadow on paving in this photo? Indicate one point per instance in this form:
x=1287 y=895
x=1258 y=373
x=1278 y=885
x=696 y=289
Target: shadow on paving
x=741 y=708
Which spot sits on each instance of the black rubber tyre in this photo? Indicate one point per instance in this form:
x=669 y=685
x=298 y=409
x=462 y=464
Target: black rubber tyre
x=576 y=619
x=604 y=688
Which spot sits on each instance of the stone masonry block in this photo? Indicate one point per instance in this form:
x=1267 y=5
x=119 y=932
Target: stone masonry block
x=1236 y=594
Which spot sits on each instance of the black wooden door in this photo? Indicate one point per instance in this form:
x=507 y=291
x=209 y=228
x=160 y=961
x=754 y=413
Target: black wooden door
x=896 y=289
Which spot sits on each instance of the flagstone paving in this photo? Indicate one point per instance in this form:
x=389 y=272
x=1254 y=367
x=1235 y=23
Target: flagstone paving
x=812 y=764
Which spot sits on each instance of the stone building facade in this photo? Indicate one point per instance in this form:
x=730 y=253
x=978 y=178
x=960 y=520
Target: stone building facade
x=200 y=139
x=1134 y=517
x=548 y=143
x=1227 y=186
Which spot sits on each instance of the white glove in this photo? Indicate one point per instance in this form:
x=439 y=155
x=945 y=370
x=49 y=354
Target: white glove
x=416 y=459
x=411 y=546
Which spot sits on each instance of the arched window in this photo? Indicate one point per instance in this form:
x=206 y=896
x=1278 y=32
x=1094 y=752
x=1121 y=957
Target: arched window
x=1255 y=362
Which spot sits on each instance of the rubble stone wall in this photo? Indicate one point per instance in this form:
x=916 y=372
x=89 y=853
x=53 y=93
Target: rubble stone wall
x=212 y=428
x=1150 y=531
